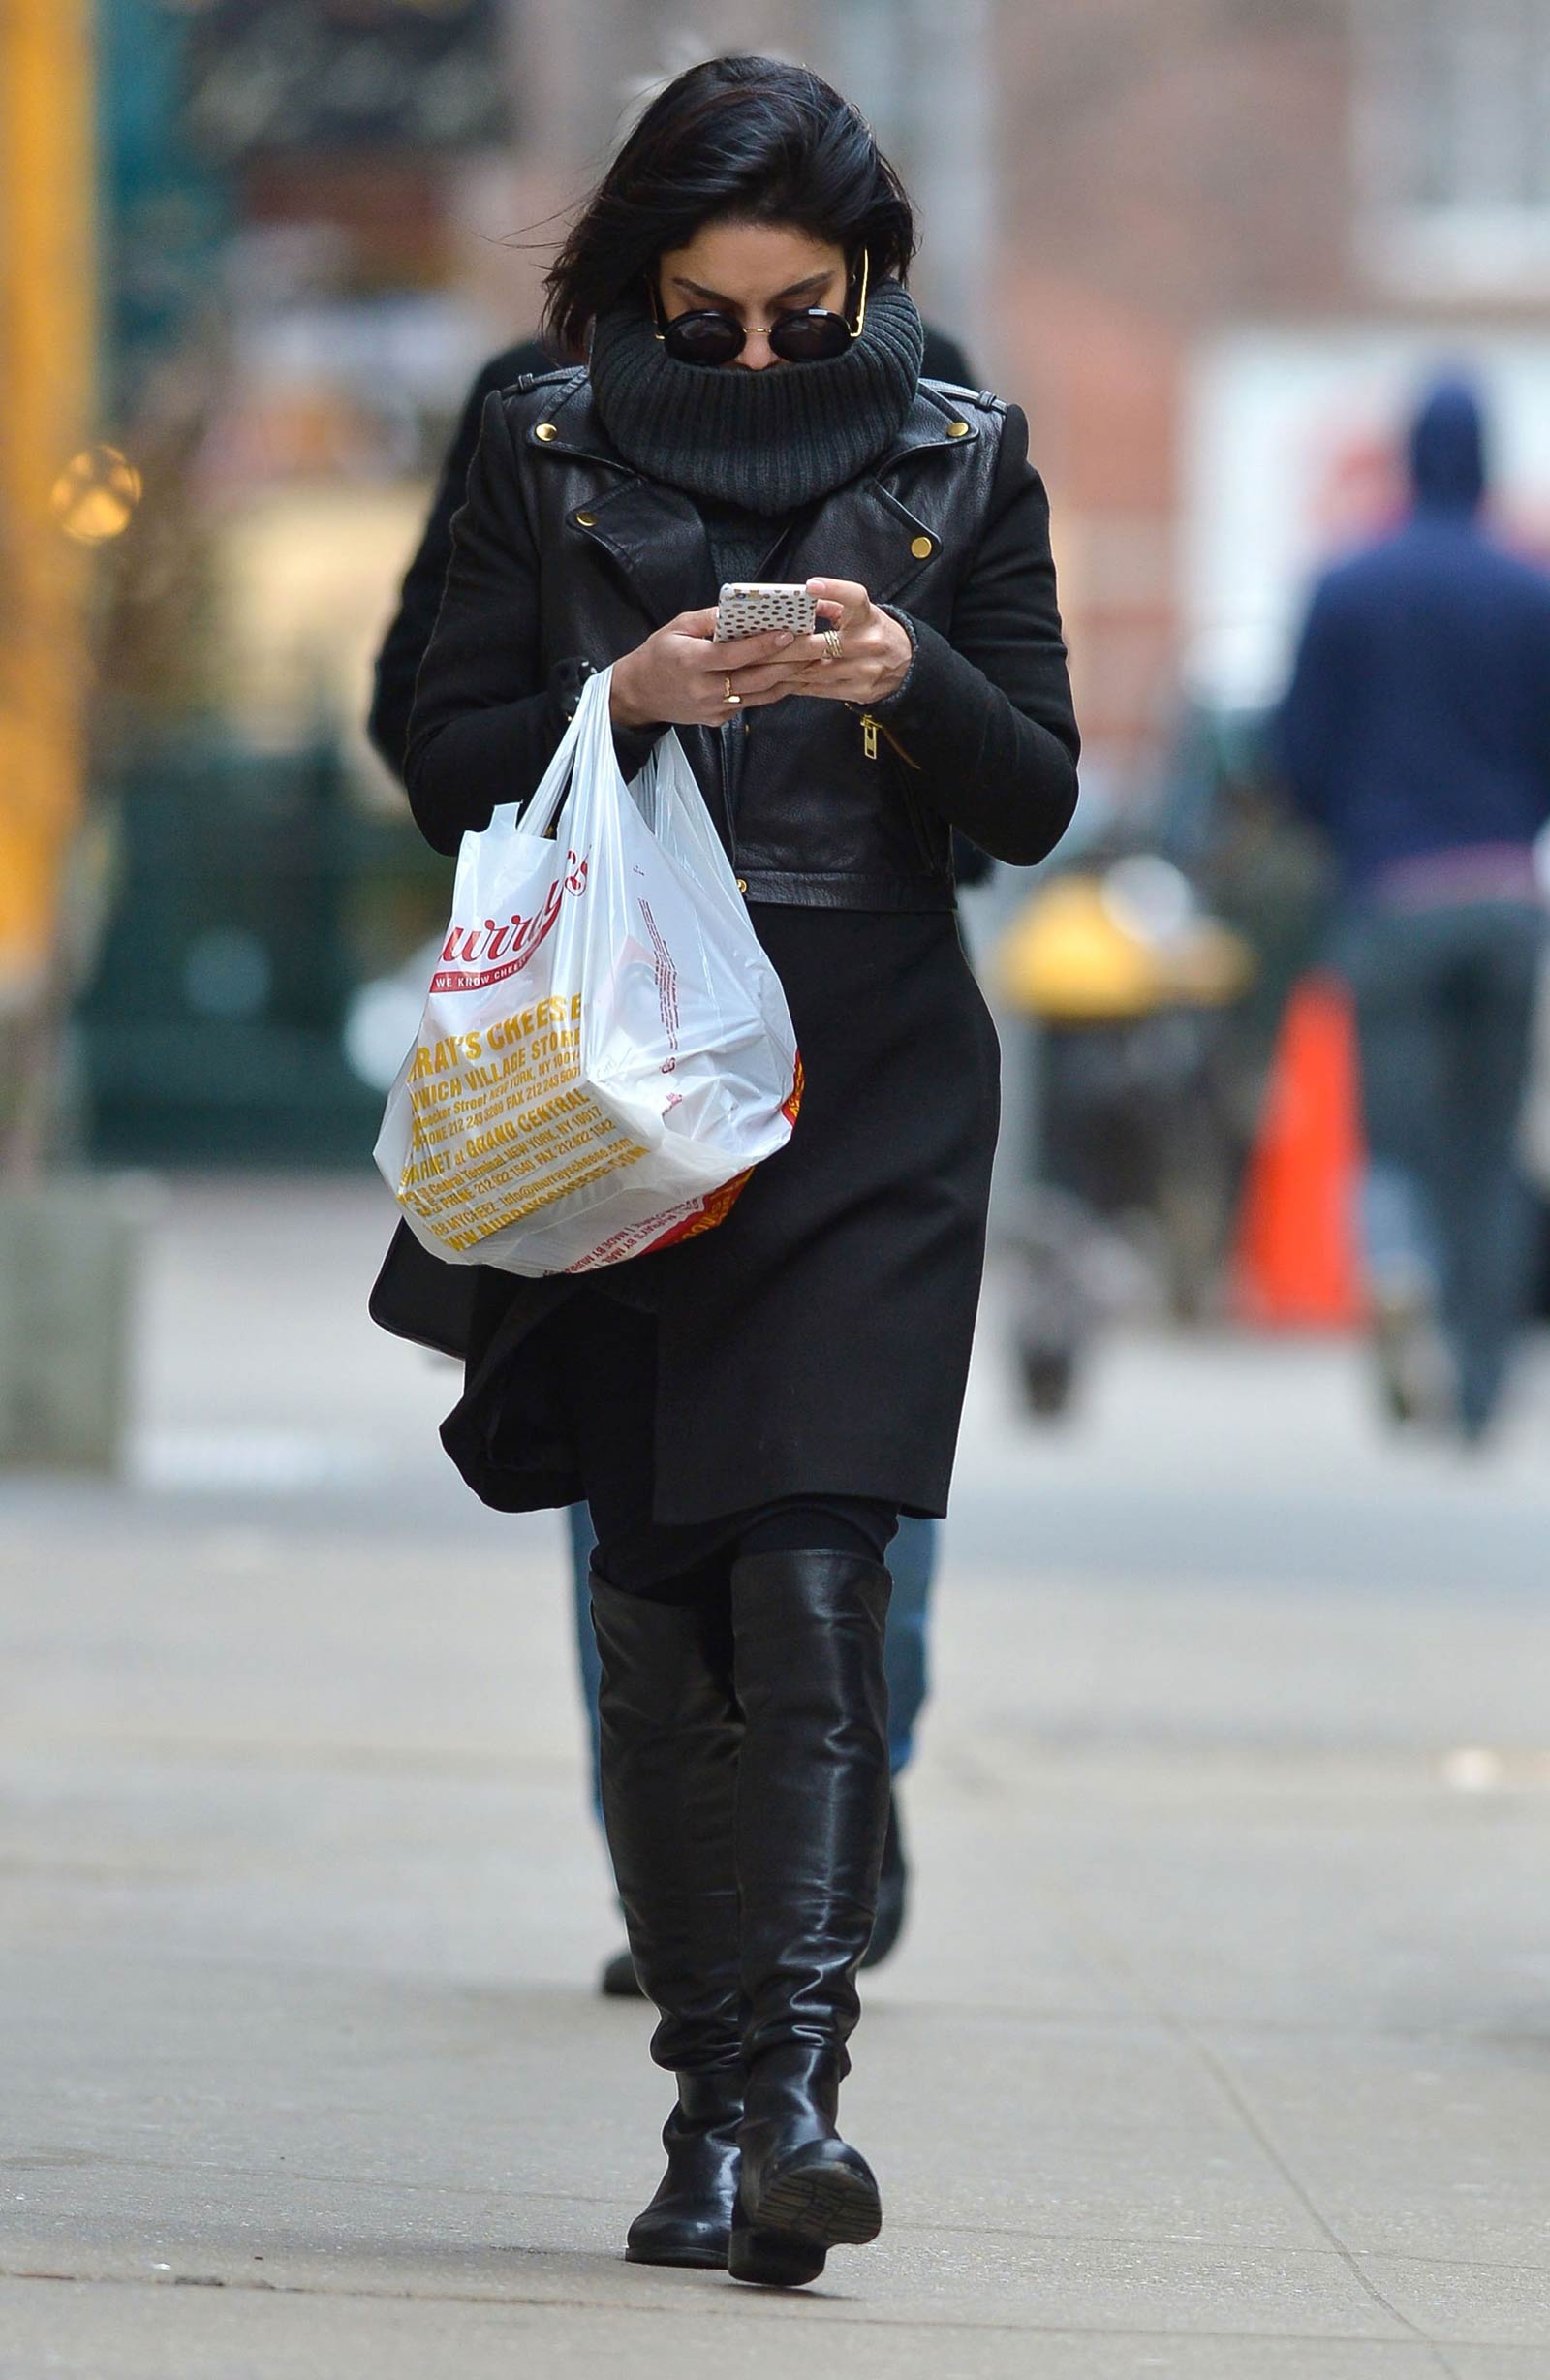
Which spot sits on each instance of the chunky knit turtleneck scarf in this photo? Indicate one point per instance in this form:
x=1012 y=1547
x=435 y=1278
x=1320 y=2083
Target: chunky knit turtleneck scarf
x=764 y=442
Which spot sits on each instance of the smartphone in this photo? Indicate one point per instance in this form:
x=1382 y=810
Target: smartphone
x=747 y=611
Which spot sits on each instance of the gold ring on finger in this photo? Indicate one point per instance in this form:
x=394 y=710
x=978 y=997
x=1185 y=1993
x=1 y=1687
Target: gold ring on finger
x=833 y=649
x=730 y=697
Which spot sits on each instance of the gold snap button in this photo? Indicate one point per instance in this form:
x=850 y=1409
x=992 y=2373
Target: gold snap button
x=957 y=429
x=587 y=520
x=545 y=431
x=920 y=547
x=742 y=884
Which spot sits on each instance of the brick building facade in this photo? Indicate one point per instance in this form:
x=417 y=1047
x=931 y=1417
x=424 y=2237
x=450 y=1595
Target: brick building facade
x=1166 y=171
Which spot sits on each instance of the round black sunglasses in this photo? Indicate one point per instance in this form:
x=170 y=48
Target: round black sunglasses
x=810 y=334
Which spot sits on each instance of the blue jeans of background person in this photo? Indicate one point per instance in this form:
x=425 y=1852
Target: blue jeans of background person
x=1445 y=998
x=911 y=1560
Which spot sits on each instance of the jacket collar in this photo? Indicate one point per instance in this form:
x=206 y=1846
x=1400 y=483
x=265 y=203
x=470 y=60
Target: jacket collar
x=929 y=422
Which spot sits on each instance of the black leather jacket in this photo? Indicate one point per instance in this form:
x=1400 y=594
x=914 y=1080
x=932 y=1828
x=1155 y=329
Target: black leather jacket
x=564 y=555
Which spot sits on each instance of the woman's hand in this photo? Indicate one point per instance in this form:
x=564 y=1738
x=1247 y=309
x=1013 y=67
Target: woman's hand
x=874 y=660
x=679 y=676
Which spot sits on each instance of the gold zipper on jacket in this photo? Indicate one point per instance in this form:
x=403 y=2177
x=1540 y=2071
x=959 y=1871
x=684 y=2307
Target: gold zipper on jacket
x=871 y=730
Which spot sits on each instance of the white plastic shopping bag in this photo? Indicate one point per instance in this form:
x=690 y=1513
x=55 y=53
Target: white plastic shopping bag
x=606 y=1051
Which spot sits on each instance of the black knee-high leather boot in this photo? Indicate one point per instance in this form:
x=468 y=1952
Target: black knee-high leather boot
x=669 y=1741
x=812 y=1813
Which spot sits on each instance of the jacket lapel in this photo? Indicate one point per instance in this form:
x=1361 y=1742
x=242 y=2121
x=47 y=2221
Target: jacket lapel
x=653 y=534
x=868 y=535
x=658 y=542
x=868 y=532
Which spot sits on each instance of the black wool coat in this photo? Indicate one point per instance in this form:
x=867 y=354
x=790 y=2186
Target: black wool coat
x=817 y=1341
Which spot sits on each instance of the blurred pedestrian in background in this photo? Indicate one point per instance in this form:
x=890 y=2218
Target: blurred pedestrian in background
x=1416 y=733
x=747 y=1414
x=912 y=1556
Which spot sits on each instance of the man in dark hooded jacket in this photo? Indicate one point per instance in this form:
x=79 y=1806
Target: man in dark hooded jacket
x=1417 y=734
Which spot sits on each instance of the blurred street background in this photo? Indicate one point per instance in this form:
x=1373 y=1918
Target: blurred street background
x=1229 y=1960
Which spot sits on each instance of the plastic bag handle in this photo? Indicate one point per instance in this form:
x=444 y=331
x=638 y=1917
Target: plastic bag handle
x=669 y=801
x=588 y=741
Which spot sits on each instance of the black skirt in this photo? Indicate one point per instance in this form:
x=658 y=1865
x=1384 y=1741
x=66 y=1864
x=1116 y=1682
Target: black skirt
x=817 y=1343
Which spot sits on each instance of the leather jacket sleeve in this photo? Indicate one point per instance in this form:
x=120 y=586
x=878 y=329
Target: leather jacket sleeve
x=408 y=632
x=985 y=717
x=484 y=727
x=487 y=719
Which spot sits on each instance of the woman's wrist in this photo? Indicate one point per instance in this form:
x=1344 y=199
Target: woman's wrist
x=624 y=705
x=901 y=660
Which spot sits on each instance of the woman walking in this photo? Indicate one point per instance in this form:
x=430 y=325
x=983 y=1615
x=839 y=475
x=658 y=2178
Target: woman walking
x=749 y=1413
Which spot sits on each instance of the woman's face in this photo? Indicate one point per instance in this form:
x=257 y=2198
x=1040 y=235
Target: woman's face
x=756 y=272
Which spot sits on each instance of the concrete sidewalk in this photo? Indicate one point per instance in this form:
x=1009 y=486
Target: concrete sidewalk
x=1219 y=2047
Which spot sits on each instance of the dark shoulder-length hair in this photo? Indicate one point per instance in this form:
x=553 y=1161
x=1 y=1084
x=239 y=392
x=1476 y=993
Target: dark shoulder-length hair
x=747 y=139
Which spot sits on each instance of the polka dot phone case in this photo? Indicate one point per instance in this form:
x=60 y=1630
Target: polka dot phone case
x=748 y=609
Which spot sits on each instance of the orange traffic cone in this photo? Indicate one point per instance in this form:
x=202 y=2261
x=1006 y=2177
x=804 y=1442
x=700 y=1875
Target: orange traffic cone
x=1296 y=1262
